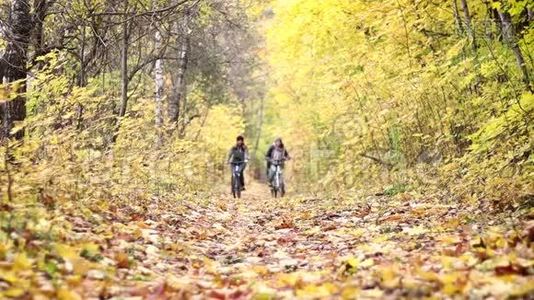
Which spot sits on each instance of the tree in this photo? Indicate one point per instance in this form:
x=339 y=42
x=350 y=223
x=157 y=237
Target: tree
x=469 y=26
x=13 y=63
x=507 y=29
x=124 y=59
x=183 y=32
x=159 y=89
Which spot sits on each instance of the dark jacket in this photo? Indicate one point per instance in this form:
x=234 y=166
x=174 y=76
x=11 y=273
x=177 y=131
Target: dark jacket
x=238 y=154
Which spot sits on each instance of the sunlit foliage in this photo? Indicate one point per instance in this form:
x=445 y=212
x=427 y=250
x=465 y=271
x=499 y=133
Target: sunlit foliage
x=381 y=93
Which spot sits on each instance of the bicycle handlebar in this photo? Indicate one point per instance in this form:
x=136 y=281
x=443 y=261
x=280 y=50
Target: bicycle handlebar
x=277 y=160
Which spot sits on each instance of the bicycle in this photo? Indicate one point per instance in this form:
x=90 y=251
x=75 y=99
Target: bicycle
x=277 y=184
x=236 y=179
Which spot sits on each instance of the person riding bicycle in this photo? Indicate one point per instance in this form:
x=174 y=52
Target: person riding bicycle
x=238 y=154
x=277 y=152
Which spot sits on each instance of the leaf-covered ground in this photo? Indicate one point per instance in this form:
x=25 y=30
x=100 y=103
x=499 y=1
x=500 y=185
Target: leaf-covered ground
x=262 y=248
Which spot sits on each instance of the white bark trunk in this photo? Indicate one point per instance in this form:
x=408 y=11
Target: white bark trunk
x=124 y=63
x=159 y=82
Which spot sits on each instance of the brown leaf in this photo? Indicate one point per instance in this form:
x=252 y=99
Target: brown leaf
x=511 y=269
x=328 y=226
x=461 y=248
x=122 y=261
x=392 y=218
x=363 y=212
x=529 y=232
x=213 y=294
x=286 y=239
x=287 y=222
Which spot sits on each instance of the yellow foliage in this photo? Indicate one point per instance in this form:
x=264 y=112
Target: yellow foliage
x=358 y=98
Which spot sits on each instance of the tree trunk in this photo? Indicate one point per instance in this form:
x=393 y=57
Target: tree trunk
x=159 y=82
x=259 y=130
x=491 y=27
x=511 y=39
x=469 y=25
x=179 y=83
x=13 y=64
x=124 y=62
x=40 y=9
x=457 y=18
x=81 y=75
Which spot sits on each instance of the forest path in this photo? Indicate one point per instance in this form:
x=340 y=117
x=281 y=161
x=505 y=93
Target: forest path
x=304 y=247
x=237 y=248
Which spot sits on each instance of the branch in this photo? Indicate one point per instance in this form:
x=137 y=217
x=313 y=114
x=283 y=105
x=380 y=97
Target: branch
x=377 y=160
x=146 y=13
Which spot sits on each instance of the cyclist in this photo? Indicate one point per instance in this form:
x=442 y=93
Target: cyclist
x=239 y=155
x=277 y=151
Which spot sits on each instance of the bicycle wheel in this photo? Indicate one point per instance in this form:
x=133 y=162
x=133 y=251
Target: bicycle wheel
x=282 y=186
x=233 y=185
x=274 y=189
x=278 y=185
x=237 y=186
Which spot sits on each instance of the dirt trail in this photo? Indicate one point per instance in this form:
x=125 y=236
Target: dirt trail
x=265 y=248
x=236 y=248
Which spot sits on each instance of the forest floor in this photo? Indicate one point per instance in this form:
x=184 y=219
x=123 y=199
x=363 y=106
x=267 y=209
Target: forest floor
x=264 y=248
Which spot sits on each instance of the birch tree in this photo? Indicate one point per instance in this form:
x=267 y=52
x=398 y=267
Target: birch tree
x=158 y=83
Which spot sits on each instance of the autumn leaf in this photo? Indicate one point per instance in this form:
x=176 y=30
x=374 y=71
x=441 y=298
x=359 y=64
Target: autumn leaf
x=65 y=294
x=21 y=262
x=122 y=260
